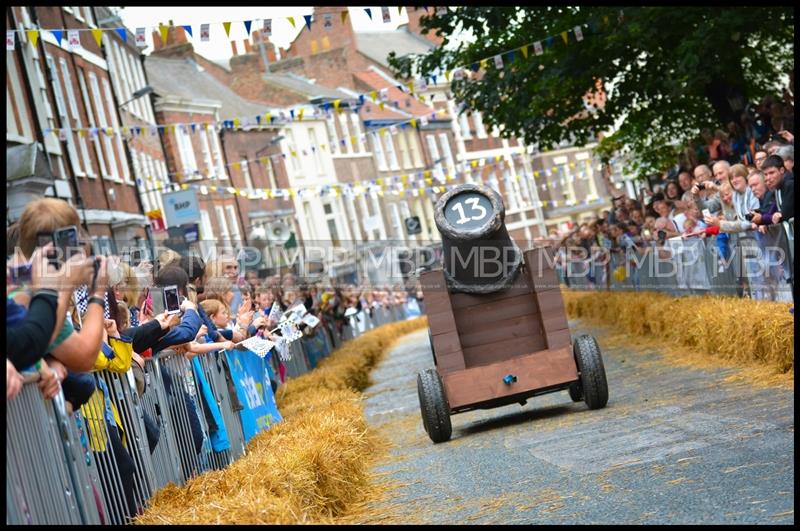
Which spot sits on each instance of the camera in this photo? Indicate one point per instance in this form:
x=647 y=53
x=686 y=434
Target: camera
x=662 y=236
x=22 y=274
x=749 y=216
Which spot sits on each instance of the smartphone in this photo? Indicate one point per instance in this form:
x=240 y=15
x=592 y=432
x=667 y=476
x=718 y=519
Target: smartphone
x=156 y=296
x=172 y=301
x=22 y=274
x=66 y=239
x=136 y=257
x=706 y=213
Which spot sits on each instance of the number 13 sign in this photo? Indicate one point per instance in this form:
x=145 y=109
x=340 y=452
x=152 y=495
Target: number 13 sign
x=468 y=210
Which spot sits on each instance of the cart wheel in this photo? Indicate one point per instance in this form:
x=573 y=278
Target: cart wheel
x=433 y=406
x=593 y=374
x=575 y=392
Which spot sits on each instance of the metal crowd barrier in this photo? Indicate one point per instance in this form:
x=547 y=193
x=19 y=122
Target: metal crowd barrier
x=102 y=463
x=754 y=265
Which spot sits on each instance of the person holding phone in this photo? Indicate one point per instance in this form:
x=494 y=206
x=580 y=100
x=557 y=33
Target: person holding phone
x=190 y=321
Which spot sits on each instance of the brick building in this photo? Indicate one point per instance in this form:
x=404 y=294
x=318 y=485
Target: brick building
x=63 y=126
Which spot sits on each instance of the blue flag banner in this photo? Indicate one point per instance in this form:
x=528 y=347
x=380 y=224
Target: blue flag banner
x=219 y=436
x=251 y=379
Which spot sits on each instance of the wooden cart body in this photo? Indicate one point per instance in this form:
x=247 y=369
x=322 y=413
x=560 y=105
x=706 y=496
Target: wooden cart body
x=480 y=339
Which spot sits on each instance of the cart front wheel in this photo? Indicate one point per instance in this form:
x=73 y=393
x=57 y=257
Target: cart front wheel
x=592 y=372
x=433 y=406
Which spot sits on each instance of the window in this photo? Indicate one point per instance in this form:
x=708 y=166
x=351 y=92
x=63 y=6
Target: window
x=293 y=154
x=434 y=152
x=273 y=183
x=463 y=121
x=237 y=236
x=73 y=107
x=333 y=138
x=444 y=141
x=18 y=125
x=225 y=236
x=186 y=151
x=317 y=154
x=330 y=218
x=376 y=146
x=390 y=151
x=137 y=82
x=248 y=181
x=346 y=134
x=115 y=66
x=397 y=223
x=217 y=151
x=402 y=143
x=209 y=163
x=110 y=102
x=357 y=132
x=103 y=124
x=414 y=148
x=206 y=232
x=479 y=129
x=75 y=162
x=137 y=157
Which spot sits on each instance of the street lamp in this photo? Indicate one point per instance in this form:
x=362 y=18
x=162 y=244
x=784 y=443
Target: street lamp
x=138 y=94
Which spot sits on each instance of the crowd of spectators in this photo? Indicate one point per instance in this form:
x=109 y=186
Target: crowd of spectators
x=71 y=314
x=734 y=195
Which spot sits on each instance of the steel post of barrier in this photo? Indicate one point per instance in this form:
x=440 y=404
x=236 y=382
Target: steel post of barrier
x=166 y=467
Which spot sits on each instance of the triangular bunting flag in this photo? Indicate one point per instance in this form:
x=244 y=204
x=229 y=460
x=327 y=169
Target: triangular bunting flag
x=98 y=36
x=537 y=47
x=369 y=12
x=291 y=21
x=564 y=36
x=227 y=26
x=58 y=34
x=336 y=105
x=164 y=33
x=524 y=51
x=188 y=29
x=308 y=21
x=247 y=24
x=123 y=34
x=550 y=41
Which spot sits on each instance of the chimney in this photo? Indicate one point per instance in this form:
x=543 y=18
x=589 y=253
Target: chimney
x=233 y=48
x=414 y=14
x=177 y=42
x=247 y=47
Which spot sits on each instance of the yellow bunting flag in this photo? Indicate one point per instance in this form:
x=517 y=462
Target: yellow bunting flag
x=414 y=123
x=300 y=113
x=380 y=182
x=411 y=87
x=293 y=152
x=184 y=187
x=263 y=161
x=483 y=63
x=427 y=173
x=336 y=105
x=447 y=74
x=344 y=15
x=564 y=36
x=381 y=105
x=98 y=36
x=81 y=133
x=236 y=123
x=292 y=193
x=227 y=26
x=353 y=140
x=206 y=126
x=429 y=181
x=268 y=117
x=291 y=21
x=474 y=163
x=374 y=95
x=382 y=131
x=524 y=51
x=33 y=37
x=536 y=173
x=422 y=191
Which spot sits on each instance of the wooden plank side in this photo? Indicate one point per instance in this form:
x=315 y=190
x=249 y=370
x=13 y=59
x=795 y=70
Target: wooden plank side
x=434 y=287
x=488 y=334
x=446 y=344
x=450 y=362
x=464 y=300
x=491 y=312
x=533 y=371
x=503 y=350
x=558 y=338
x=555 y=321
x=550 y=301
x=540 y=272
x=441 y=322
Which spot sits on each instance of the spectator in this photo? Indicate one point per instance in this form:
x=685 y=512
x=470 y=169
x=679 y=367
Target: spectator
x=759 y=158
x=787 y=154
x=774 y=176
x=703 y=191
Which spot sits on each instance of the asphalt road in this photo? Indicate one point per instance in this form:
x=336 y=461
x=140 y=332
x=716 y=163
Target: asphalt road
x=674 y=446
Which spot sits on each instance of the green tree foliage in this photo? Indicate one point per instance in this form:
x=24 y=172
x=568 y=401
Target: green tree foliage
x=667 y=72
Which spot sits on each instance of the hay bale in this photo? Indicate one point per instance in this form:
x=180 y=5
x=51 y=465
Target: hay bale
x=312 y=467
x=736 y=330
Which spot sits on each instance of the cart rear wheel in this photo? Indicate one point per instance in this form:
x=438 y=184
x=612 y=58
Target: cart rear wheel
x=592 y=372
x=433 y=406
x=576 y=392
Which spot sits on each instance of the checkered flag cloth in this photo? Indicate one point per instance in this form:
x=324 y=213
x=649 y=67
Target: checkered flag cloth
x=282 y=346
x=275 y=312
x=258 y=345
x=134 y=316
x=81 y=296
x=290 y=332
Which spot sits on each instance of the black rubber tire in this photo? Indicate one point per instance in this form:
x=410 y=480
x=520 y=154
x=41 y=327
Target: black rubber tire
x=433 y=406
x=592 y=371
x=576 y=391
